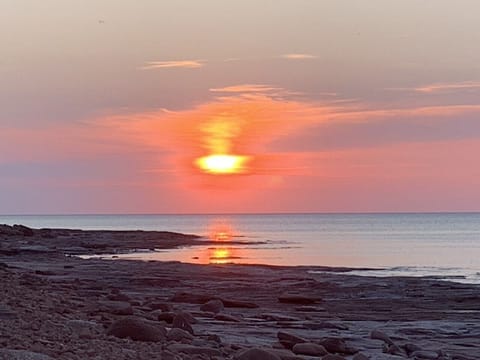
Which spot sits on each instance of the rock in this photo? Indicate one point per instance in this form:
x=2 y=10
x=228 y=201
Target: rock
x=159 y=306
x=278 y=317
x=191 y=298
x=337 y=345
x=181 y=322
x=333 y=357
x=214 y=306
x=137 y=329
x=166 y=316
x=6 y=354
x=7 y=314
x=410 y=348
x=24 y=230
x=360 y=356
x=226 y=317
x=325 y=325
x=285 y=354
x=297 y=299
x=188 y=316
x=238 y=304
x=256 y=354
x=116 y=307
x=194 y=350
x=309 y=308
x=289 y=340
x=309 y=349
x=422 y=354
x=380 y=335
x=177 y=334
x=119 y=297
x=394 y=350
x=84 y=329
x=8 y=230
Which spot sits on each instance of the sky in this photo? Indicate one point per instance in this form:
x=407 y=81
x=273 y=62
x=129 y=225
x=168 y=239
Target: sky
x=217 y=106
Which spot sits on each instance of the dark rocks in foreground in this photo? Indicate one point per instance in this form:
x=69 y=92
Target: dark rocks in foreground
x=54 y=306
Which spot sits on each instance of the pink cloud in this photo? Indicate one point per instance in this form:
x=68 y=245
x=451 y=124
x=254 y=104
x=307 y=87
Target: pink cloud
x=189 y=64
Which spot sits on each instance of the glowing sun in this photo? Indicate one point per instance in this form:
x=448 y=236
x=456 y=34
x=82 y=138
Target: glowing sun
x=223 y=164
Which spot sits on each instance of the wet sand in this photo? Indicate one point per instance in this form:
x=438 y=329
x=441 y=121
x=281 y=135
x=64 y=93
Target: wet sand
x=56 y=305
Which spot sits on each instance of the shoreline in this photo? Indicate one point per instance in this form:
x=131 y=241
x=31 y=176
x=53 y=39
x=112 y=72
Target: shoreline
x=65 y=307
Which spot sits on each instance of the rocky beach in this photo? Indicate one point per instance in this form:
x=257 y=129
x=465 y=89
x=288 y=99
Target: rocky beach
x=54 y=304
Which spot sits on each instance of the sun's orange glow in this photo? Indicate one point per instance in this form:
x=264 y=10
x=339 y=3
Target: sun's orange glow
x=220 y=256
x=220 y=232
x=223 y=164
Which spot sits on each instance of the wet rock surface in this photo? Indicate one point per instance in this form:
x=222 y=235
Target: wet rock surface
x=57 y=306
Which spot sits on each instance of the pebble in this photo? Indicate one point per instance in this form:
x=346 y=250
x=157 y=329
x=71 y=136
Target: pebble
x=7 y=354
x=194 y=350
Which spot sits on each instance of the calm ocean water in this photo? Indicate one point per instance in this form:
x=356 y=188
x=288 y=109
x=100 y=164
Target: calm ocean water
x=446 y=245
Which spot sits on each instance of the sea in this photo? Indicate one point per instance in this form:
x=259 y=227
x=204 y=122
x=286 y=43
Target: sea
x=436 y=245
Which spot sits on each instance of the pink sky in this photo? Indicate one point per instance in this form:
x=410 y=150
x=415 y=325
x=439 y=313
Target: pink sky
x=338 y=106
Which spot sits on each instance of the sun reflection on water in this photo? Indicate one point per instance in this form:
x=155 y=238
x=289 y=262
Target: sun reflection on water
x=222 y=232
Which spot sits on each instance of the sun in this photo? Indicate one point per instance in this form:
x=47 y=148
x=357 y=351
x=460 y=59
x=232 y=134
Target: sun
x=223 y=164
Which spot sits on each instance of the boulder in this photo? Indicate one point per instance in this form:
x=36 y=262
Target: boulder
x=289 y=340
x=309 y=349
x=166 y=316
x=337 y=345
x=181 y=322
x=137 y=329
x=176 y=334
x=213 y=306
x=256 y=354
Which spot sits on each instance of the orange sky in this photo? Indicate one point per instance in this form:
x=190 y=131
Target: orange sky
x=319 y=107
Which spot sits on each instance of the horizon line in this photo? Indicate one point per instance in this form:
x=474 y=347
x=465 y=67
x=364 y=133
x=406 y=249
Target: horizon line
x=257 y=213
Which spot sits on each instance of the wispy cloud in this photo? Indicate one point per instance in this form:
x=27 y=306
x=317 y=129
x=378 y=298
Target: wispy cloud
x=298 y=56
x=246 y=88
x=440 y=87
x=191 y=64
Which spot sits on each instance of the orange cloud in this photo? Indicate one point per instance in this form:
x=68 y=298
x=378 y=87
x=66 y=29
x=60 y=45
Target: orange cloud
x=226 y=132
x=191 y=64
x=295 y=56
x=441 y=87
x=246 y=88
